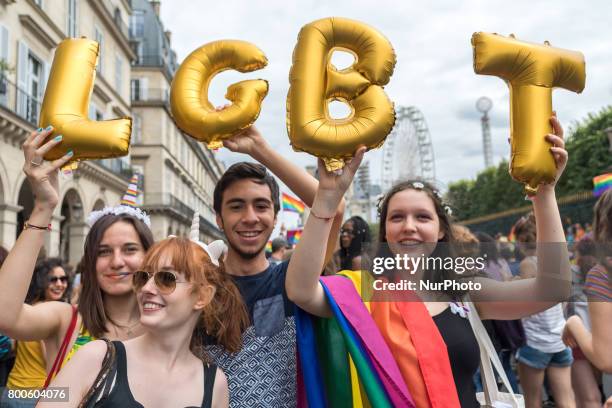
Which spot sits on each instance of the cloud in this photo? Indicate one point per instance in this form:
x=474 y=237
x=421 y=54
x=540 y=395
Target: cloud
x=434 y=61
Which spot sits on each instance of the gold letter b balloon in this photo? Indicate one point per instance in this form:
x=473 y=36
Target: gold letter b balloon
x=66 y=102
x=531 y=71
x=314 y=82
x=192 y=110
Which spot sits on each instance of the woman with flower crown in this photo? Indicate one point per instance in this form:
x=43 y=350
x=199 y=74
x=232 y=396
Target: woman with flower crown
x=114 y=249
x=422 y=347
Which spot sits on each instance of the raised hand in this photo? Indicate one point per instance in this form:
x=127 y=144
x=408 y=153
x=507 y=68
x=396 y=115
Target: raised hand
x=43 y=175
x=333 y=185
x=558 y=150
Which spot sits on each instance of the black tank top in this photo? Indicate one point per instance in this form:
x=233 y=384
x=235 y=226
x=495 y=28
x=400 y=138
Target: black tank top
x=116 y=391
x=463 y=353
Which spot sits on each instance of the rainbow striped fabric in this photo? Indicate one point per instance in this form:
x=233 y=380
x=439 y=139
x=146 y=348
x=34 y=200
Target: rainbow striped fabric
x=293 y=236
x=130 y=197
x=292 y=204
x=602 y=183
x=269 y=246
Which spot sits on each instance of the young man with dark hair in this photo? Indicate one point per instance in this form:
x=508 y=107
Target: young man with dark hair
x=246 y=203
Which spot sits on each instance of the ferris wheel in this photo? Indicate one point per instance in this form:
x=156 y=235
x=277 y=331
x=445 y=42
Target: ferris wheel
x=408 y=151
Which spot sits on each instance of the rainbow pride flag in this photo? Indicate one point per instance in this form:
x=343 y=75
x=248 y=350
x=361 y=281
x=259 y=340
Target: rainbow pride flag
x=293 y=236
x=602 y=183
x=130 y=197
x=292 y=204
x=269 y=246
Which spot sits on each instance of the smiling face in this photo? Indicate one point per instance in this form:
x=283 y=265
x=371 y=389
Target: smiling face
x=247 y=217
x=58 y=282
x=412 y=225
x=120 y=254
x=169 y=304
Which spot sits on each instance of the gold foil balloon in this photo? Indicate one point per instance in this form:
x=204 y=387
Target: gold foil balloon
x=315 y=82
x=66 y=102
x=531 y=71
x=192 y=110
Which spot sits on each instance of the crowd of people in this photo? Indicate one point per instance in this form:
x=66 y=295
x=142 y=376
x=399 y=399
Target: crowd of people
x=181 y=323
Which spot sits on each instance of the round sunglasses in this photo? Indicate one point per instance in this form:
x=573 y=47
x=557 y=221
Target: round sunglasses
x=164 y=280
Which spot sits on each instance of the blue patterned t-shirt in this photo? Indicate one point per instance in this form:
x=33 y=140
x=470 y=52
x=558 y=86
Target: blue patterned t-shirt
x=263 y=373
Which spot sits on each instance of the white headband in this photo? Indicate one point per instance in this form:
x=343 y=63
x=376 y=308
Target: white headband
x=215 y=249
x=94 y=216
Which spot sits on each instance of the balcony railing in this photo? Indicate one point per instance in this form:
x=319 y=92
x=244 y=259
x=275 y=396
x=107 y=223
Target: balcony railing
x=117 y=166
x=18 y=101
x=170 y=202
x=154 y=61
x=112 y=13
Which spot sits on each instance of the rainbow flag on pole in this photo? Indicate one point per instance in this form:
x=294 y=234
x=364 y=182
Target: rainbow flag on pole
x=293 y=236
x=292 y=204
x=602 y=183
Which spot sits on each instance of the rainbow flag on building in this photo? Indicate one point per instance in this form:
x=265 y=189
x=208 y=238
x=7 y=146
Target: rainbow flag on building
x=292 y=204
x=602 y=183
x=130 y=198
x=293 y=236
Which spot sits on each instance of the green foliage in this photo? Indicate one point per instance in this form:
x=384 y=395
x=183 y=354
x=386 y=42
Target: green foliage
x=494 y=190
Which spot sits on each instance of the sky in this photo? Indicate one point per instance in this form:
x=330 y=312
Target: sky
x=434 y=70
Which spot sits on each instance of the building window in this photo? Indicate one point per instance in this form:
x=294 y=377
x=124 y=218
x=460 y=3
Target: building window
x=99 y=37
x=34 y=86
x=118 y=73
x=135 y=90
x=72 y=18
x=39 y=3
x=137 y=24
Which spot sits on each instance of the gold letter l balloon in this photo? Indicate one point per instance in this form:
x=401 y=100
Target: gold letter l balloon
x=531 y=71
x=314 y=82
x=66 y=102
x=192 y=110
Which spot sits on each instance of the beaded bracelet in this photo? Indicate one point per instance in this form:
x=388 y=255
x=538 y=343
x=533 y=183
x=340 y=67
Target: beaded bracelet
x=27 y=225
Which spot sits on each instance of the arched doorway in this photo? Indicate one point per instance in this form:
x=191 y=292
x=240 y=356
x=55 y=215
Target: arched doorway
x=72 y=228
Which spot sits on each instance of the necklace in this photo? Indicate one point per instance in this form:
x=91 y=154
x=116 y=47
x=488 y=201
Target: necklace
x=128 y=328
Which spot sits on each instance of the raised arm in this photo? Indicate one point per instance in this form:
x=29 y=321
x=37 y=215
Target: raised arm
x=306 y=263
x=251 y=142
x=18 y=320
x=552 y=282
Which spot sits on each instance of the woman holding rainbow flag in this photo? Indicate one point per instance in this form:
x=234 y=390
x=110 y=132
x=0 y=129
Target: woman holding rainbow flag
x=415 y=348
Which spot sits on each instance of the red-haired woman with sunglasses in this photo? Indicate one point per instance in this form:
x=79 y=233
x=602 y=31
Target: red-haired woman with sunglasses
x=182 y=291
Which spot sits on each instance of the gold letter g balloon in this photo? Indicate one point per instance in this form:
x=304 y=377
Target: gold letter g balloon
x=315 y=82
x=192 y=110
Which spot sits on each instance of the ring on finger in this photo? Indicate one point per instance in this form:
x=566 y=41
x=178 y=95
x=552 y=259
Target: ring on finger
x=35 y=163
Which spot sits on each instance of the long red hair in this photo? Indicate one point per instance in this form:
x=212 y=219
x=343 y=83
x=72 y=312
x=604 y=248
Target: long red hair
x=225 y=317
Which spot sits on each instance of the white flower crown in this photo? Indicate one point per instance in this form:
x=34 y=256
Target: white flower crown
x=118 y=210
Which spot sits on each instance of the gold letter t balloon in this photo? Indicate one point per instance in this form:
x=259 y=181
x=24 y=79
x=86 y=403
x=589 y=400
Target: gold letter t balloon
x=531 y=71
x=66 y=103
x=314 y=82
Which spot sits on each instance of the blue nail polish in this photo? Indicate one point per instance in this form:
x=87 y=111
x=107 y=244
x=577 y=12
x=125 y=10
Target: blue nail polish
x=49 y=127
x=58 y=138
x=70 y=153
x=39 y=130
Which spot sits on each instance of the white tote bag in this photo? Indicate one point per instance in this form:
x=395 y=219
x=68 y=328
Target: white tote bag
x=491 y=397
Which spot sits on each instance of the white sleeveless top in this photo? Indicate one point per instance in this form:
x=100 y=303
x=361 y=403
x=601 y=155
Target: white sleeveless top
x=543 y=330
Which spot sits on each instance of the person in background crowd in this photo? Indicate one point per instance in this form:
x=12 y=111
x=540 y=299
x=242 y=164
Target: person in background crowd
x=497 y=267
x=50 y=282
x=585 y=377
x=544 y=352
x=598 y=287
x=355 y=238
x=279 y=249
x=7 y=356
